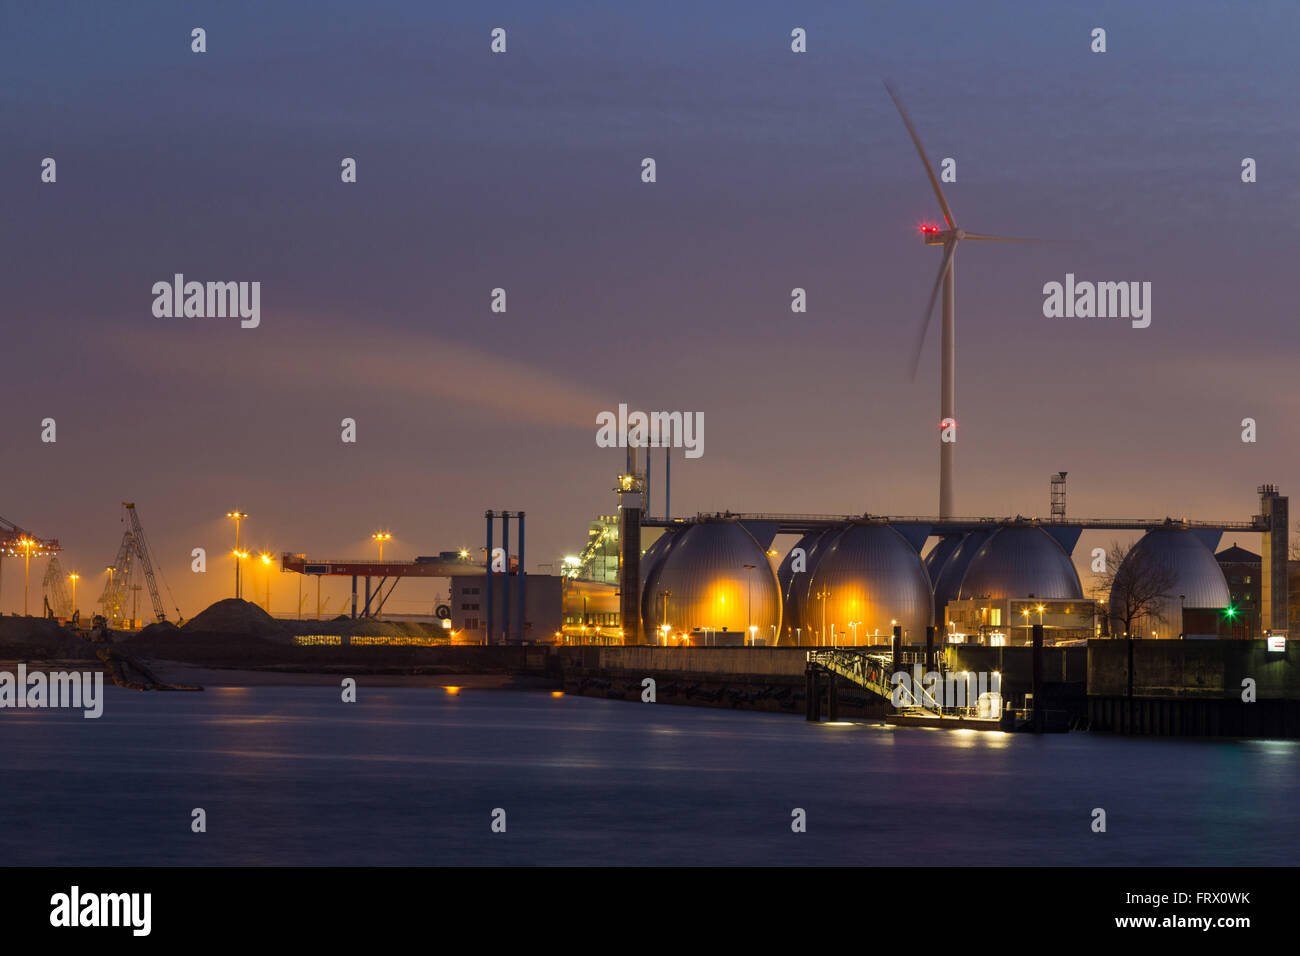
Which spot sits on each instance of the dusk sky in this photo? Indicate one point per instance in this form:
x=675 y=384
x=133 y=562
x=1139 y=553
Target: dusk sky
x=775 y=170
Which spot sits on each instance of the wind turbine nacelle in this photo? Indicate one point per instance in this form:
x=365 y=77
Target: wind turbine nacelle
x=934 y=236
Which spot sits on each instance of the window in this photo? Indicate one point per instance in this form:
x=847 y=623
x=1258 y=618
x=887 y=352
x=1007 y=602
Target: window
x=469 y=607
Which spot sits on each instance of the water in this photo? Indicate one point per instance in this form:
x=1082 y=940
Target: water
x=290 y=775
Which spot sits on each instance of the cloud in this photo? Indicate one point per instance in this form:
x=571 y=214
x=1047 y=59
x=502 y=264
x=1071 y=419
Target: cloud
x=366 y=358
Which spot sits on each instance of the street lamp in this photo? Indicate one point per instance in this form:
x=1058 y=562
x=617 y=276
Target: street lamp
x=27 y=564
x=749 y=608
x=238 y=516
x=381 y=537
x=823 y=594
x=266 y=567
x=108 y=610
x=239 y=555
x=73 y=578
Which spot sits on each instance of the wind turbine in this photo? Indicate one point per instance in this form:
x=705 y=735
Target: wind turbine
x=948 y=238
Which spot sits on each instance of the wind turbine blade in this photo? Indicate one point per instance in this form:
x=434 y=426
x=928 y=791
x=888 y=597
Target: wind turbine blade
x=981 y=237
x=916 y=140
x=944 y=266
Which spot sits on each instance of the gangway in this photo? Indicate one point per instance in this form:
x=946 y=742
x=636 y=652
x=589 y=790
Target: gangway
x=913 y=703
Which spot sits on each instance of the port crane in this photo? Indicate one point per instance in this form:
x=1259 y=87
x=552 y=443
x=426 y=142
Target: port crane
x=57 y=602
x=133 y=550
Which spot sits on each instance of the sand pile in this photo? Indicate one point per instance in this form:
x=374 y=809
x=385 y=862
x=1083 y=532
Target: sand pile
x=235 y=617
x=37 y=637
x=161 y=630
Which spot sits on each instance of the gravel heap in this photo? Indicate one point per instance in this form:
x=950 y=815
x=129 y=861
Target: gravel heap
x=38 y=637
x=236 y=617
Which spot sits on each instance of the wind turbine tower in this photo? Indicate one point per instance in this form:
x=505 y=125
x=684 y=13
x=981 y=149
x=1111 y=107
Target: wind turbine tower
x=948 y=238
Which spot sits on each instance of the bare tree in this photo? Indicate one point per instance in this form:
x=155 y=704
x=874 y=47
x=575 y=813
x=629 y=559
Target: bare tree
x=1135 y=585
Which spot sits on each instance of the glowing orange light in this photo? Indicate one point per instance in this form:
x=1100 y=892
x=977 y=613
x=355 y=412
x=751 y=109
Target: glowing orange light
x=452 y=690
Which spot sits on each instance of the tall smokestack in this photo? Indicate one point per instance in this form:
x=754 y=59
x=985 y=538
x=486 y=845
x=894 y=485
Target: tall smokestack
x=487 y=581
x=630 y=490
x=668 y=482
x=505 y=590
x=519 y=624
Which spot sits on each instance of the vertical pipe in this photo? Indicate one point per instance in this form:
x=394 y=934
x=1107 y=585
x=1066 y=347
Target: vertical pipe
x=898 y=647
x=520 y=612
x=629 y=558
x=1038 y=679
x=505 y=589
x=487 y=580
x=367 y=611
x=929 y=648
x=668 y=481
x=354 y=598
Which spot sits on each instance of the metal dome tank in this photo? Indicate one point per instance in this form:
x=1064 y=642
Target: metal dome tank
x=1195 y=572
x=794 y=584
x=1020 y=560
x=948 y=582
x=871 y=575
x=710 y=588
x=651 y=561
x=940 y=553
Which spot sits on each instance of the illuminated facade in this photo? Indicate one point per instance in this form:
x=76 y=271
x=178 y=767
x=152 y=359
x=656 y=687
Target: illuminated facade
x=868 y=580
x=715 y=586
x=1008 y=621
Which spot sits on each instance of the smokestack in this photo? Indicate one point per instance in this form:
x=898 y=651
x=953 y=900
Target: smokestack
x=487 y=586
x=520 y=618
x=630 y=487
x=505 y=591
x=668 y=481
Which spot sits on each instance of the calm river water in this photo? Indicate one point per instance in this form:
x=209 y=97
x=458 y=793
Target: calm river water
x=290 y=775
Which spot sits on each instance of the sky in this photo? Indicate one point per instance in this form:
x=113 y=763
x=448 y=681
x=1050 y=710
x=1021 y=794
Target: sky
x=522 y=171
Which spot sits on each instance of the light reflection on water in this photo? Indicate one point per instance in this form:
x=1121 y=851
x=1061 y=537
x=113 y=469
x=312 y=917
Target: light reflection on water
x=290 y=775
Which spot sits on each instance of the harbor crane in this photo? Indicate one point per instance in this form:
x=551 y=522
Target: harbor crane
x=134 y=548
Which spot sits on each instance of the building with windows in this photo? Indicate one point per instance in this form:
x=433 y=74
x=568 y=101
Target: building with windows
x=1007 y=621
x=1242 y=570
x=556 y=608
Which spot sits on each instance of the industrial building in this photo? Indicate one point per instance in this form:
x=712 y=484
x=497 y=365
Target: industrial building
x=555 y=607
x=855 y=579
x=1241 y=569
x=715 y=579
